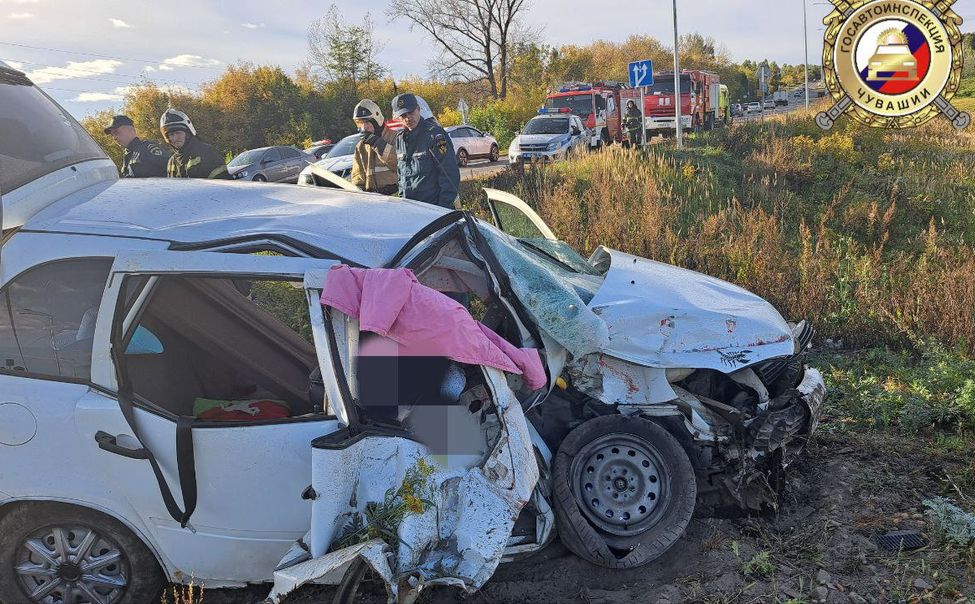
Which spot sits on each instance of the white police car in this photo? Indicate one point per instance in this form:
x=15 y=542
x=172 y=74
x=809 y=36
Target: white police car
x=553 y=134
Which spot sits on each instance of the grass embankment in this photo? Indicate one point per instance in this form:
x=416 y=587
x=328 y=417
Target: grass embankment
x=866 y=232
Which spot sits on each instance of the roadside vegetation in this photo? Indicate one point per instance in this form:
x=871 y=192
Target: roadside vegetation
x=868 y=233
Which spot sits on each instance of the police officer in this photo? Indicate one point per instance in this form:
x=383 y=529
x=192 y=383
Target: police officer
x=427 y=164
x=193 y=158
x=631 y=122
x=140 y=158
x=374 y=159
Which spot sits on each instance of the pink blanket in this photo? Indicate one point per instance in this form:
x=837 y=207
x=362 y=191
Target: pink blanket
x=423 y=321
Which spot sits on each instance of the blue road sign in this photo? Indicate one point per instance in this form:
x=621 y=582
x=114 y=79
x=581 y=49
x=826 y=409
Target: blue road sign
x=641 y=73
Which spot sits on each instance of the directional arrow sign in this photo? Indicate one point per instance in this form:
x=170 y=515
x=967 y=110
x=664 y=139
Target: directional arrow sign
x=641 y=73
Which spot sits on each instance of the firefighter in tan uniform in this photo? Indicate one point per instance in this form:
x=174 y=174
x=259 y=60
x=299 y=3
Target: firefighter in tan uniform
x=374 y=159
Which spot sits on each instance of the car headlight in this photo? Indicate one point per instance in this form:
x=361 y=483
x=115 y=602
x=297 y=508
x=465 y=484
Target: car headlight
x=243 y=174
x=552 y=146
x=513 y=147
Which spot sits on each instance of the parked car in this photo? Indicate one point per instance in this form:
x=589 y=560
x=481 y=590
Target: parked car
x=781 y=102
x=338 y=160
x=171 y=390
x=549 y=137
x=319 y=149
x=471 y=143
x=753 y=108
x=269 y=164
x=768 y=104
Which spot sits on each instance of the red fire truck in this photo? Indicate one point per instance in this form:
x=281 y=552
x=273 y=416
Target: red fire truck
x=701 y=104
x=597 y=104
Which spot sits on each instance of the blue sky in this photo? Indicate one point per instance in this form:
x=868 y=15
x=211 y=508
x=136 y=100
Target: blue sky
x=85 y=53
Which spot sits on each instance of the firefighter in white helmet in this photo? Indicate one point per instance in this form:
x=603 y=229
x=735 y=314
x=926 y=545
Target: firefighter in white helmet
x=192 y=158
x=374 y=159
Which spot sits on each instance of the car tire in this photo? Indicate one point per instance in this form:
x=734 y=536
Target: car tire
x=495 y=152
x=462 y=158
x=41 y=524
x=638 y=456
x=260 y=178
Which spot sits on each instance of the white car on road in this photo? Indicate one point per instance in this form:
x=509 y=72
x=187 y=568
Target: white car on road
x=471 y=143
x=337 y=161
x=549 y=136
x=176 y=403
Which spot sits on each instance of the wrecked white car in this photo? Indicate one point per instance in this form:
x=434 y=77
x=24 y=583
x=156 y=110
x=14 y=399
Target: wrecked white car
x=176 y=403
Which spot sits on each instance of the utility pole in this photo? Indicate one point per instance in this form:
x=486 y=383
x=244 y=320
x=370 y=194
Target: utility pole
x=677 y=96
x=805 y=43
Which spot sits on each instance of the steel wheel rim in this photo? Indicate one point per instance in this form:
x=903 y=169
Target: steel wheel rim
x=71 y=564
x=621 y=483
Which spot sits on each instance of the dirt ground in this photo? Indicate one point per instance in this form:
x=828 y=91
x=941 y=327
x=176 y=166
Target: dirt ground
x=818 y=548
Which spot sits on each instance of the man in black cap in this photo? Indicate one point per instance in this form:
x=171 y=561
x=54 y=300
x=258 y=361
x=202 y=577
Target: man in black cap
x=140 y=158
x=427 y=164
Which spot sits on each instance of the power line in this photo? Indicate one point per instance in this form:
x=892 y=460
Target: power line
x=100 y=73
x=100 y=56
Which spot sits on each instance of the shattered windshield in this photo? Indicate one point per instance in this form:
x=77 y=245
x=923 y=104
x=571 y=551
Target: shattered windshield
x=554 y=294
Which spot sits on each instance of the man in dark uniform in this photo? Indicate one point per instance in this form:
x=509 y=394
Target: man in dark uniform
x=193 y=157
x=427 y=164
x=140 y=158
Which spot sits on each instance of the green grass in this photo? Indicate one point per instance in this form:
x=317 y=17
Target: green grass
x=927 y=392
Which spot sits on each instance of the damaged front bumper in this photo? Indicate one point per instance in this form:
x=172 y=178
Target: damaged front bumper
x=770 y=441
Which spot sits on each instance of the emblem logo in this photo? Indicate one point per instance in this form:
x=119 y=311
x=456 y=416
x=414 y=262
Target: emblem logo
x=892 y=63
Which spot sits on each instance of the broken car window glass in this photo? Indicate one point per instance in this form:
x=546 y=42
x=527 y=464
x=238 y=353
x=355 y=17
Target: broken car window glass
x=556 y=298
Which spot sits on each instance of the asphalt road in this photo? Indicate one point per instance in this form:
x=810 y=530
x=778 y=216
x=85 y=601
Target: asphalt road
x=483 y=168
x=792 y=106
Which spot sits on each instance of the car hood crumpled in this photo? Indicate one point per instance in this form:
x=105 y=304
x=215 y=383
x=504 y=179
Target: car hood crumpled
x=660 y=315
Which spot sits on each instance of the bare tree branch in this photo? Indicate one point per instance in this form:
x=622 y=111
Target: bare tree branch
x=474 y=36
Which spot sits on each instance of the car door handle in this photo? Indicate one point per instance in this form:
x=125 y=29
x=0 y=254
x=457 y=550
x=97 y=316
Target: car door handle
x=107 y=442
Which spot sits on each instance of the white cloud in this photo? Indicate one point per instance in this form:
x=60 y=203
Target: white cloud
x=19 y=16
x=148 y=68
x=187 y=61
x=74 y=69
x=252 y=25
x=22 y=1
x=118 y=23
x=16 y=65
x=96 y=97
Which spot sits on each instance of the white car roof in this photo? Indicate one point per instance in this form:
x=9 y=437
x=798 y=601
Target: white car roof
x=366 y=229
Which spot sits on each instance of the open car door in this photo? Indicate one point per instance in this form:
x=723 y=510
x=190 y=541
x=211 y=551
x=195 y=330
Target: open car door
x=210 y=397
x=515 y=217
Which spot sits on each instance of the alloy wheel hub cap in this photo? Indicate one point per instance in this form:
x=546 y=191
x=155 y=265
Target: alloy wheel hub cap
x=70 y=564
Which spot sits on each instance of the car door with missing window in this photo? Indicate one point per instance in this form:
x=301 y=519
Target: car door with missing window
x=187 y=344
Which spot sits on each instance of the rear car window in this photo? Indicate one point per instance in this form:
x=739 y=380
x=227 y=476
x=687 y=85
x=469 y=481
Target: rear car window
x=38 y=137
x=48 y=320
